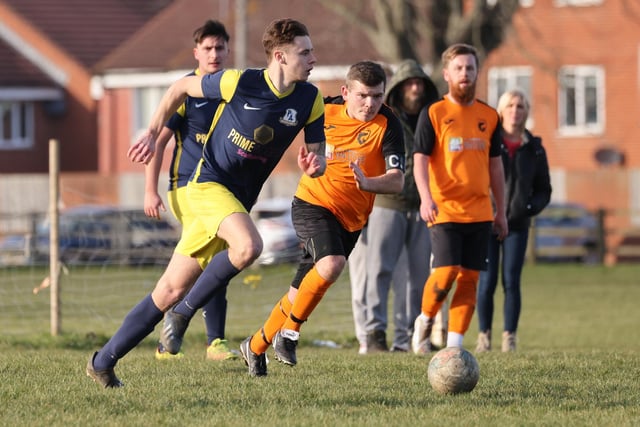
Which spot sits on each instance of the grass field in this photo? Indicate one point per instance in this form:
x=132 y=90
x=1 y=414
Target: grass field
x=577 y=362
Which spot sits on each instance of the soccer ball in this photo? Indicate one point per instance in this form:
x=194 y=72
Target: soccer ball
x=453 y=370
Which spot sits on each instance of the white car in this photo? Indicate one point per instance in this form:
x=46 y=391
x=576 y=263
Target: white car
x=280 y=242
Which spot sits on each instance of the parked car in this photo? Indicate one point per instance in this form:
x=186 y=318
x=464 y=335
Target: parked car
x=96 y=235
x=280 y=242
x=566 y=232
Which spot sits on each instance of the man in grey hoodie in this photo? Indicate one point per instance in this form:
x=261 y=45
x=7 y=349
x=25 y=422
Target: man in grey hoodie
x=394 y=245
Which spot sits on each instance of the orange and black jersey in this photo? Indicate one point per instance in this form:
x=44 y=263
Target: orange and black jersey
x=377 y=145
x=253 y=127
x=459 y=140
x=190 y=126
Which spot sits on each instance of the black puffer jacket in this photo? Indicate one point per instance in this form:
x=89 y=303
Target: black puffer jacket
x=528 y=185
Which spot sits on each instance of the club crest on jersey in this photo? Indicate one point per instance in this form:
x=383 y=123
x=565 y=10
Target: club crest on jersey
x=290 y=117
x=363 y=136
x=482 y=125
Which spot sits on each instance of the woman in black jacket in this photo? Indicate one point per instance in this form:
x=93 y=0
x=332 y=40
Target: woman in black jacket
x=528 y=191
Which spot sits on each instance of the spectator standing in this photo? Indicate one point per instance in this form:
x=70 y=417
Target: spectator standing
x=528 y=190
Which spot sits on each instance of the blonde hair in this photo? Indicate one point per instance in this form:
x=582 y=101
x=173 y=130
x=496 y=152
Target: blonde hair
x=506 y=98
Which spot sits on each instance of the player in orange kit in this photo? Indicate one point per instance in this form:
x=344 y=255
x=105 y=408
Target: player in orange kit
x=365 y=156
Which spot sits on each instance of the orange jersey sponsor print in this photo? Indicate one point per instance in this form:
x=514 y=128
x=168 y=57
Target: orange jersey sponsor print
x=350 y=140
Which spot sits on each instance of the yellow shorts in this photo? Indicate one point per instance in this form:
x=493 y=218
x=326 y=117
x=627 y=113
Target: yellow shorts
x=179 y=206
x=210 y=203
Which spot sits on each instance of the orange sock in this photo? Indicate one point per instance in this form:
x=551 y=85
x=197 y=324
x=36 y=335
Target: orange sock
x=437 y=288
x=311 y=291
x=262 y=339
x=463 y=302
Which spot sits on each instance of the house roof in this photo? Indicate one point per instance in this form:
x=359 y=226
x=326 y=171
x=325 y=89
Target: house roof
x=17 y=70
x=106 y=36
x=87 y=29
x=165 y=42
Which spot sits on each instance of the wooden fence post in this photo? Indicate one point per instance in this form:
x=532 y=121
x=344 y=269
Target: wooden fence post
x=54 y=258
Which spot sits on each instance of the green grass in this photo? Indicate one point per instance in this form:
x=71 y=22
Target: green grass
x=577 y=362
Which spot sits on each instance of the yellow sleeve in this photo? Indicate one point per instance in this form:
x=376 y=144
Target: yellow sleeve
x=229 y=83
x=318 y=108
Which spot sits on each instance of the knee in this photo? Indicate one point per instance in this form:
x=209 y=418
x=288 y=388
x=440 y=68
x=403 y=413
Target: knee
x=331 y=266
x=244 y=254
x=165 y=295
x=466 y=275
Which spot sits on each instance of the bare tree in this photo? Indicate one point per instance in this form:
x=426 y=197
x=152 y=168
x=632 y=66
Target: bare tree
x=422 y=29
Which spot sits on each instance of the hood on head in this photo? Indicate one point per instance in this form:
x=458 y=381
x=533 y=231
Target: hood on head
x=409 y=69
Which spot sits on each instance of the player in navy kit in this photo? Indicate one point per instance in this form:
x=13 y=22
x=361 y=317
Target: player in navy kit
x=190 y=127
x=261 y=113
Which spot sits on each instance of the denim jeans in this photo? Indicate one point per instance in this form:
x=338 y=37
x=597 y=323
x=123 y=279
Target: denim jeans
x=514 y=248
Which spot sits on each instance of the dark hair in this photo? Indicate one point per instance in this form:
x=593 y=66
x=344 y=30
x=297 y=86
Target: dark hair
x=457 y=50
x=210 y=28
x=281 y=32
x=368 y=73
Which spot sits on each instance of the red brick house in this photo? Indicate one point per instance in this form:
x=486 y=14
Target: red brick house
x=579 y=60
x=48 y=51
x=92 y=72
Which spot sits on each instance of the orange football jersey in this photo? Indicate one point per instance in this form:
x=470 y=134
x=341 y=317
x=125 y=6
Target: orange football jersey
x=350 y=140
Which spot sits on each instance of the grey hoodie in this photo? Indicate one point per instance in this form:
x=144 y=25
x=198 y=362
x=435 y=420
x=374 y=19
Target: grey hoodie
x=409 y=199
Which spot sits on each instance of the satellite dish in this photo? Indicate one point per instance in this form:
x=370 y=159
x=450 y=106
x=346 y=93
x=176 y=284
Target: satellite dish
x=609 y=156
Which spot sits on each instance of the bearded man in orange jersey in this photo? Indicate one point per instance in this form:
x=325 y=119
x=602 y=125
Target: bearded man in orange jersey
x=457 y=168
x=365 y=157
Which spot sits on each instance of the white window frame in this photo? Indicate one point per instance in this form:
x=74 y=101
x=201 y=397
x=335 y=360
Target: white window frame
x=581 y=74
x=578 y=3
x=523 y=3
x=145 y=101
x=21 y=125
x=511 y=76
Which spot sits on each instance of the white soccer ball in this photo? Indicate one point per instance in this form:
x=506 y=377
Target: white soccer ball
x=453 y=370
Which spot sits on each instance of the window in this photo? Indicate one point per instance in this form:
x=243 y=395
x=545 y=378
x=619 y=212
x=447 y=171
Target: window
x=502 y=79
x=563 y=3
x=581 y=100
x=16 y=125
x=146 y=100
x=523 y=3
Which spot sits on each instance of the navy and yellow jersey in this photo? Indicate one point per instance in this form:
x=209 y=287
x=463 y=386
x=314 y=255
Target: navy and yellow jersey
x=190 y=126
x=377 y=146
x=253 y=128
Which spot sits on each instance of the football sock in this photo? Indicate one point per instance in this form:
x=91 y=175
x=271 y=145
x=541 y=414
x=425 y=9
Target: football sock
x=214 y=277
x=135 y=327
x=424 y=317
x=292 y=335
x=454 y=339
x=463 y=302
x=311 y=291
x=437 y=288
x=263 y=338
x=215 y=315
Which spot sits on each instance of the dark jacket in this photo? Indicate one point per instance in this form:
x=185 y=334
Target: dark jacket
x=409 y=199
x=528 y=185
